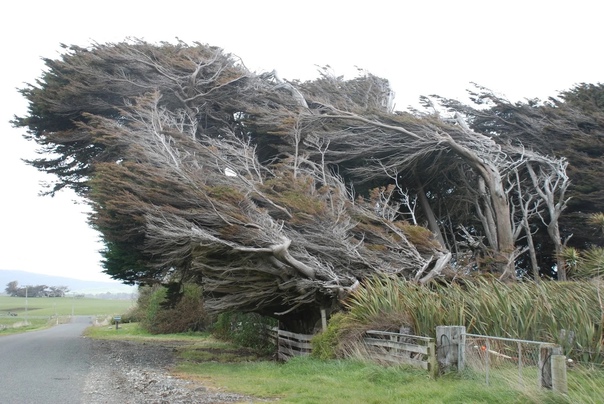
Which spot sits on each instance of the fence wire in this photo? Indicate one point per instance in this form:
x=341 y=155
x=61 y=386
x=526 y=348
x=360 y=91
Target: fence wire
x=503 y=360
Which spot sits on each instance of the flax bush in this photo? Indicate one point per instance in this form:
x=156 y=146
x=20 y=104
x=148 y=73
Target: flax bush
x=568 y=313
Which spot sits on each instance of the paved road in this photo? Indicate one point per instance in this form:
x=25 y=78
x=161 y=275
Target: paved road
x=48 y=366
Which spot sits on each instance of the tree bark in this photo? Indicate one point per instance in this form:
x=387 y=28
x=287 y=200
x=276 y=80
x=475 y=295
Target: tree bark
x=430 y=216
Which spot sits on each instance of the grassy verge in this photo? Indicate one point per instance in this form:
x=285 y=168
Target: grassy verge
x=132 y=331
x=223 y=365
x=307 y=380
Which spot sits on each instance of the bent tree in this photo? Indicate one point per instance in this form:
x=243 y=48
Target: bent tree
x=277 y=197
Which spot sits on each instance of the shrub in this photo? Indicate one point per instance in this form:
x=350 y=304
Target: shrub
x=245 y=329
x=159 y=315
x=325 y=344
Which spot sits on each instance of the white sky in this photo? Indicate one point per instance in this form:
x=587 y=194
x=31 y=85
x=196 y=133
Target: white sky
x=523 y=49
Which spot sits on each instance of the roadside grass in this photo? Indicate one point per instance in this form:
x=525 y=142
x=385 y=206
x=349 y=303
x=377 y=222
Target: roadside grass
x=15 y=325
x=132 y=331
x=226 y=366
x=193 y=346
x=310 y=380
x=45 y=312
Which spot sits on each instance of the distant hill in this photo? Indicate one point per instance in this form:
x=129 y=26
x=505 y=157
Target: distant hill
x=74 y=285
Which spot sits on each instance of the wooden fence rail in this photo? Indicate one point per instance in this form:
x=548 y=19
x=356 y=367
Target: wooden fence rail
x=398 y=348
x=290 y=344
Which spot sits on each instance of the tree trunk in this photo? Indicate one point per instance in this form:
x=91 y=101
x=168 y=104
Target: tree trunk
x=505 y=236
x=500 y=205
x=430 y=216
x=532 y=252
x=554 y=232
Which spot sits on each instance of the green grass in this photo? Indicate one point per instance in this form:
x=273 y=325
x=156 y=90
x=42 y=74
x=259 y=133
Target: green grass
x=309 y=380
x=43 y=312
x=132 y=331
x=62 y=306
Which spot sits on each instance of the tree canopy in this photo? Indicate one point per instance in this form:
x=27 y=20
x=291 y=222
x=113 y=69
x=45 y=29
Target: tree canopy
x=13 y=289
x=276 y=196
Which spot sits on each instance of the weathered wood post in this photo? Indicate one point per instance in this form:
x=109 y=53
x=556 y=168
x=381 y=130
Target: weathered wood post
x=432 y=362
x=451 y=347
x=323 y=320
x=546 y=353
x=559 y=381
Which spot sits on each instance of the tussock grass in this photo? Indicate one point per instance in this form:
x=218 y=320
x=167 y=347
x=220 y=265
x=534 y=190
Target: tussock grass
x=529 y=311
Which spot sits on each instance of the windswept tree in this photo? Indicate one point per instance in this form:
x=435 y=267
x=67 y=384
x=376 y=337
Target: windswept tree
x=12 y=288
x=277 y=197
x=569 y=129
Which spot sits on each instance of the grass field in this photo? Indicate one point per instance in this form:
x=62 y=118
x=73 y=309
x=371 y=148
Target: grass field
x=42 y=312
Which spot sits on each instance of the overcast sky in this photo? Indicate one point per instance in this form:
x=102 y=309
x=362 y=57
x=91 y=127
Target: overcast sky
x=522 y=49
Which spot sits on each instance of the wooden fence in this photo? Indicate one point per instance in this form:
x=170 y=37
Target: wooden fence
x=421 y=352
x=382 y=346
x=289 y=344
x=402 y=349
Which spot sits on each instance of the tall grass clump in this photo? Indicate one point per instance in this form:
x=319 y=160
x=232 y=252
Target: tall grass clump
x=566 y=313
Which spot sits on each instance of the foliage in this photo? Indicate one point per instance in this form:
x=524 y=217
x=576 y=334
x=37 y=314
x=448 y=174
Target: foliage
x=529 y=311
x=245 y=329
x=325 y=343
x=570 y=125
x=13 y=289
x=200 y=171
x=588 y=263
x=597 y=219
x=160 y=316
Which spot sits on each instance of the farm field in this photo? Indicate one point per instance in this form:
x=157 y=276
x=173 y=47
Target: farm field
x=42 y=312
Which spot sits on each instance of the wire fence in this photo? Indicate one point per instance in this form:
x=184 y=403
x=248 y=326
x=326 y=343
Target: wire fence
x=504 y=360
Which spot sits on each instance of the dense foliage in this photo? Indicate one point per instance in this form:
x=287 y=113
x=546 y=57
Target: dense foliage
x=570 y=126
x=158 y=314
x=280 y=197
x=245 y=329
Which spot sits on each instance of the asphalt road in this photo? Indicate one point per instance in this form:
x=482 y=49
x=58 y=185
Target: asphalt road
x=48 y=366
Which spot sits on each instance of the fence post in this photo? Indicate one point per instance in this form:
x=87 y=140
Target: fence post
x=432 y=362
x=323 y=320
x=546 y=353
x=451 y=347
x=559 y=381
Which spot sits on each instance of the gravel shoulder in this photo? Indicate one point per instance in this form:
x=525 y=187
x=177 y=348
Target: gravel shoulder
x=139 y=372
